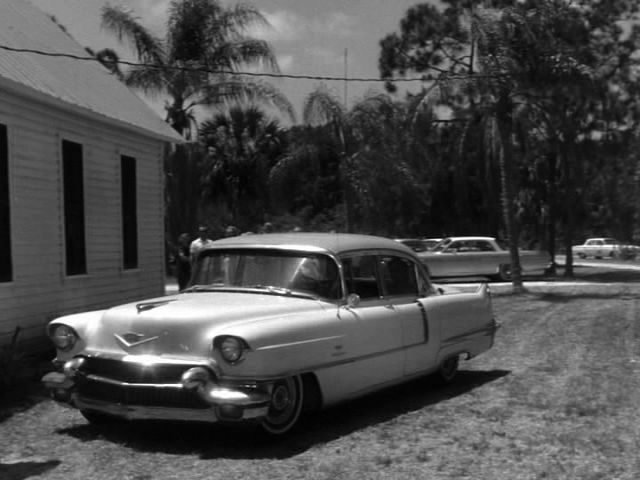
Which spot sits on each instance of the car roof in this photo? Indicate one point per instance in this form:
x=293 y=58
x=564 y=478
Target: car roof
x=334 y=243
x=471 y=238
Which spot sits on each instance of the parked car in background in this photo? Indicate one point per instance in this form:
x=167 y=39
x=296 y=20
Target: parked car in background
x=479 y=256
x=419 y=244
x=270 y=326
x=605 y=247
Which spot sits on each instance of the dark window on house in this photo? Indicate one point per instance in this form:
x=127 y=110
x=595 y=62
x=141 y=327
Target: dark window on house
x=74 y=228
x=6 y=267
x=129 y=212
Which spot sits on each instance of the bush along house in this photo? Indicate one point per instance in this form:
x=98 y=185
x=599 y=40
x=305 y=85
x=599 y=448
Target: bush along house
x=81 y=181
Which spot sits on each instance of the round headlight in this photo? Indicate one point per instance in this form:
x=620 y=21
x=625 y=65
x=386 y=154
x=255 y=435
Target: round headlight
x=231 y=349
x=64 y=337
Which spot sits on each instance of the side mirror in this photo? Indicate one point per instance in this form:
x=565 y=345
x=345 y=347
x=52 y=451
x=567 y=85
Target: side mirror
x=353 y=300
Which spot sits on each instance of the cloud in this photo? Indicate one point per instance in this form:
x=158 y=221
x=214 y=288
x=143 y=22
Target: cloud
x=283 y=26
x=285 y=62
x=153 y=14
x=325 y=56
x=287 y=26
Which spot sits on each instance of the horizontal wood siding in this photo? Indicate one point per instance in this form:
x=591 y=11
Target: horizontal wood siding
x=40 y=291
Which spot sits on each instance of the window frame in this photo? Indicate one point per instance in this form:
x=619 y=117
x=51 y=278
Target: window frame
x=128 y=211
x=83 y=269
x=6 y=247
x=422 y=279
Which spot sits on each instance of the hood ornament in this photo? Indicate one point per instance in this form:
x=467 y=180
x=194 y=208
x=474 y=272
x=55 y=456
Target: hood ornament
x=143 y=307
x=133 y=339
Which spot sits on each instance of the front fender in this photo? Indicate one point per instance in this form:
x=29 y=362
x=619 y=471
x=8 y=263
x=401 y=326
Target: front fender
x=82 y=323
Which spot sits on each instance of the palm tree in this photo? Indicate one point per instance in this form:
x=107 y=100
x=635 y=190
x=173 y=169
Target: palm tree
x=197 y=61
x=323 y=107
x=241 y=147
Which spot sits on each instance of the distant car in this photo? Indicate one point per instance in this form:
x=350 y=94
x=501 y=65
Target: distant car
x=479 y=256
x=605 y=247
x=271 y=325
x=419 y=244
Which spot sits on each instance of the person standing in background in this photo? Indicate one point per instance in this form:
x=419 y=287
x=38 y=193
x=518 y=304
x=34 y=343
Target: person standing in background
x=183 y=260
x=199 y=243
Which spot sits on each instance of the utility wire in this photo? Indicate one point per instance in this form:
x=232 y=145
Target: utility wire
x=248 y=74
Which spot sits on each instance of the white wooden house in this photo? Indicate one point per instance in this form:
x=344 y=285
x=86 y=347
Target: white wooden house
x=81 y=180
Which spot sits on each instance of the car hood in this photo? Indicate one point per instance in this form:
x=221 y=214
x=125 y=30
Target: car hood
x=185 y=324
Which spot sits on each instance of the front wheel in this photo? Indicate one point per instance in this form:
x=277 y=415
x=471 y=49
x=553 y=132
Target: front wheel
x=287 y=398
x=582 y=256
x=99 y=418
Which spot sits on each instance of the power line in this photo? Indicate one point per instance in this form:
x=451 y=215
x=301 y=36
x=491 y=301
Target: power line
x=231 y=72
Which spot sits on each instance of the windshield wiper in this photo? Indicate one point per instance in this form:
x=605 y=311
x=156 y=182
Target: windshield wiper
x=283 y=291
x=203 y=288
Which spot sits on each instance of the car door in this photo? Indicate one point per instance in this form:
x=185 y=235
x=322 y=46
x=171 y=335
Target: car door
x=402 y=288
x=595 y=248
x=457 y=264
x=376 y=336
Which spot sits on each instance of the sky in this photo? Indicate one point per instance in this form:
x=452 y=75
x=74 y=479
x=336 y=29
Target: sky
x=309 y=37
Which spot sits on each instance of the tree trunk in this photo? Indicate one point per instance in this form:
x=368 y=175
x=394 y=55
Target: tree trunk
x=506 y=179
x=552 y=213
x=570 y=199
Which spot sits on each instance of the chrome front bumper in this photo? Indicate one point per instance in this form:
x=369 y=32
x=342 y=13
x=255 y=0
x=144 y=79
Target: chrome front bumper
x=216 y=402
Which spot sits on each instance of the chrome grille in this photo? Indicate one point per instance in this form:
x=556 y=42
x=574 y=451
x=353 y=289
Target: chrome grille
x=140 y=395
x=132 y=372
x=150 y=383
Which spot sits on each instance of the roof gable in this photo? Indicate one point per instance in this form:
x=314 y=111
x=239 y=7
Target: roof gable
x=83 y=85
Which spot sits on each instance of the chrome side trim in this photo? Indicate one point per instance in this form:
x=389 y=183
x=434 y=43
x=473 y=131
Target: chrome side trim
x=301 y=342
x=483 y=331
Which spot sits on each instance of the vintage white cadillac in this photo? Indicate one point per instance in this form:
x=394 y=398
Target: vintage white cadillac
x=270 y=326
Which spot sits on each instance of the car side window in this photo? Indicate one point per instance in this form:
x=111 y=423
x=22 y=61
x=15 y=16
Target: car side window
x=398 y=276
x=484 y=246
x=360 y=276
x=453 y=247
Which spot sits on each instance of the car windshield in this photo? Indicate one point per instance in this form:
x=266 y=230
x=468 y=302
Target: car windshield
x=274 y=271
x=415 y=245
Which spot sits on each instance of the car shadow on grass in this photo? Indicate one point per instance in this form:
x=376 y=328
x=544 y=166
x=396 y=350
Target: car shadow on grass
x=317 y=428
x=26 y=469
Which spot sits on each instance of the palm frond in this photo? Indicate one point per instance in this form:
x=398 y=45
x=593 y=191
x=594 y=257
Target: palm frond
x=237 y=90
x=148 y=79
x=237 y=19
x=322 y=106
x=243 y=52
x=121 y=21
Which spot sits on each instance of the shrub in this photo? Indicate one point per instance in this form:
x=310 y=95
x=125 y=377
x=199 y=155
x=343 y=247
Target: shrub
x=15 y=368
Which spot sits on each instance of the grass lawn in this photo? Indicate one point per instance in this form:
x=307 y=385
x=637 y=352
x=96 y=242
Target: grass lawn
x=557 y=397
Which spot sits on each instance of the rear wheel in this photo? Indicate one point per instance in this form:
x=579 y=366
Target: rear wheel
x=504 y=272
x=448 y=369
x=287 y=398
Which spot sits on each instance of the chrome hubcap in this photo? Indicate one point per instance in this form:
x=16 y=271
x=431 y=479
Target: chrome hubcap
x=280 y=397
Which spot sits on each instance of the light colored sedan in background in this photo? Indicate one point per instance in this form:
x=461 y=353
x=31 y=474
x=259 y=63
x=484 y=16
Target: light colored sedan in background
x=271 y=325
x=479 y=256
x=605 y=247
